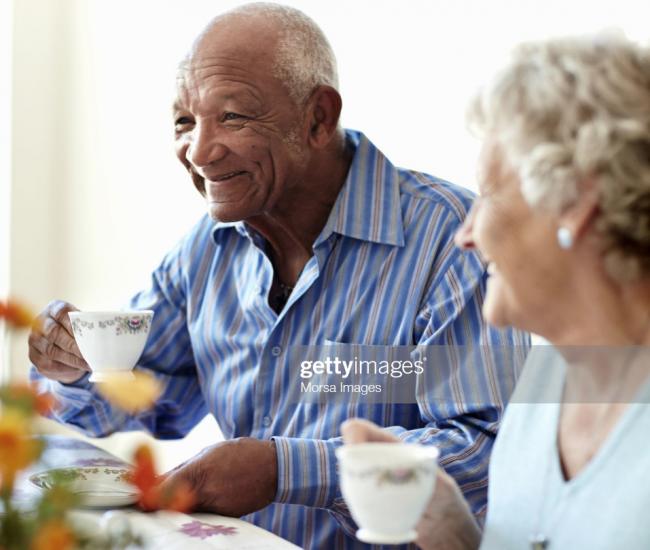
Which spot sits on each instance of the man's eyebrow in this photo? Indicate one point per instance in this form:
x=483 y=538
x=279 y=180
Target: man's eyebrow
x=247 y=98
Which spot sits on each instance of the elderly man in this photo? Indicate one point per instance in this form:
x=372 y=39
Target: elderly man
x=312 y=236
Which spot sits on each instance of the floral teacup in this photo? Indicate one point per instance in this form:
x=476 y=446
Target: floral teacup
x=387 y=487
x=110 y=341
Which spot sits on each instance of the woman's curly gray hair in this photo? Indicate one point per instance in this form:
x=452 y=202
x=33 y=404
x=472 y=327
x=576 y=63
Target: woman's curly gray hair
x=567 y=110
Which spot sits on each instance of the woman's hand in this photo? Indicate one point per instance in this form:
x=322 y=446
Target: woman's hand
x=447 y=522
x=358 y=430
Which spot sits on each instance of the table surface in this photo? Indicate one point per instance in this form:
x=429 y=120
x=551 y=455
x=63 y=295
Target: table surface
x=168 y=530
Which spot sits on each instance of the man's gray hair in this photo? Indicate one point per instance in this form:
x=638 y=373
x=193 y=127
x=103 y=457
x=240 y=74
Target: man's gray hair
x=303 y=58
x=571 y=109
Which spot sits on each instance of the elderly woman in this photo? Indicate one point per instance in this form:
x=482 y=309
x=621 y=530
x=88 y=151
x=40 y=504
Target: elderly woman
x=563 y=221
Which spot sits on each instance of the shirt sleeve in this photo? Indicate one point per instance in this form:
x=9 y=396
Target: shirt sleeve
x=459 y=412
x=308 y=475
x=167 y=355
x=472 y=372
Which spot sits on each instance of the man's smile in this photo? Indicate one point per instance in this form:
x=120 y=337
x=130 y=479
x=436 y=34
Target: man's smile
x=218 y=177
x=227 y=187
x=227 y=176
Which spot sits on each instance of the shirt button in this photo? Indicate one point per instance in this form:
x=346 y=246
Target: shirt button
x=258 y=289
x=266 y=421
x=276 y=350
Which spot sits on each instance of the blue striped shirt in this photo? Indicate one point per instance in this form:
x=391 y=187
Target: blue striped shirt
x=384 y=271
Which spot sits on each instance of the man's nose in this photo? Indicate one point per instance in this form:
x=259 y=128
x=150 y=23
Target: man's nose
x=205 y=147
x=464 y=238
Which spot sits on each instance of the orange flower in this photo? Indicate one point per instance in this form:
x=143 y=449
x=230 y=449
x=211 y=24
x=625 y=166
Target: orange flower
x=24 y=397
x=17 y=449
x=17 y=314
x=53 y=535
x=179 y=498
x=144 y=474
x=132 y=395
x=44 y=403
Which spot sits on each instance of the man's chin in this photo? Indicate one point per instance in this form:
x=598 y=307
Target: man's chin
x=225 y=213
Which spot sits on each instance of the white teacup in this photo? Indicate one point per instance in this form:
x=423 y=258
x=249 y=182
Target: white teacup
x=110 y=341
x=387 y=487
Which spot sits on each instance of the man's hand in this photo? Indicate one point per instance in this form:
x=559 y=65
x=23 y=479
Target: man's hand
x=447 y=522
x=52 y=347
x=232 y=478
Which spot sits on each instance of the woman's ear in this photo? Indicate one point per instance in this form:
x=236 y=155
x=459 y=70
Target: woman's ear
x=324 y=110
x=578 y=217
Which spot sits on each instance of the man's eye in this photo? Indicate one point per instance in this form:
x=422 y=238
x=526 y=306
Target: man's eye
x=181 y=121
x=231 y=116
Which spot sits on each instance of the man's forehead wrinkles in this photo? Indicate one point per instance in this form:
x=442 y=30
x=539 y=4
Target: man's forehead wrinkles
x=231 y=62
x=224 y=90
x=222 y=73
x=194 y=76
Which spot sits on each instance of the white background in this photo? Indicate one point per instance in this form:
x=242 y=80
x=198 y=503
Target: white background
x=95 y=193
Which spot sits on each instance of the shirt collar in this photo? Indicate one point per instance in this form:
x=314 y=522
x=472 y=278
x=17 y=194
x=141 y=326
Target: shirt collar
x=239 y=226
x=368 y=206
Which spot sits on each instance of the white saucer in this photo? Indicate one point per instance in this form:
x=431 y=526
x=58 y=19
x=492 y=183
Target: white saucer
x=98 y=486
x=367 y=535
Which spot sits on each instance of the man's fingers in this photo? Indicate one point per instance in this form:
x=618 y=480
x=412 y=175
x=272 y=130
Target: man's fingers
x=358 y=430
x=54 y=369
x=57 y=333
x=54 y=319
x=53 y=352
x=60 y=314
x=52 y=347
x=175 y=469
x=59 y=310
x=174 y=476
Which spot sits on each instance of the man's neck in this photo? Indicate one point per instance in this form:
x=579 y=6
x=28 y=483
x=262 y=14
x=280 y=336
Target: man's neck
x=297 y=220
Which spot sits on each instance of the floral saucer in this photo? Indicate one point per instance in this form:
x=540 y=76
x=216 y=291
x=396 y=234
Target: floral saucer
x=98 y=486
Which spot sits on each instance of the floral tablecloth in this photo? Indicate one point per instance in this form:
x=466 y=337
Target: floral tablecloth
x=160 y=530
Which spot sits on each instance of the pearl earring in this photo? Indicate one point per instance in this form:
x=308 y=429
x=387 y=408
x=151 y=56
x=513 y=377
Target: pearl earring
x=564 y=238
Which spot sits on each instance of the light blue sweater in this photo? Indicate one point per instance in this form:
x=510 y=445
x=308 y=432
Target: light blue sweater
x=606 y=506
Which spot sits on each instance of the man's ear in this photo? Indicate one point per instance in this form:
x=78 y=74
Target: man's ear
x=323 y=112
x=578 y=217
